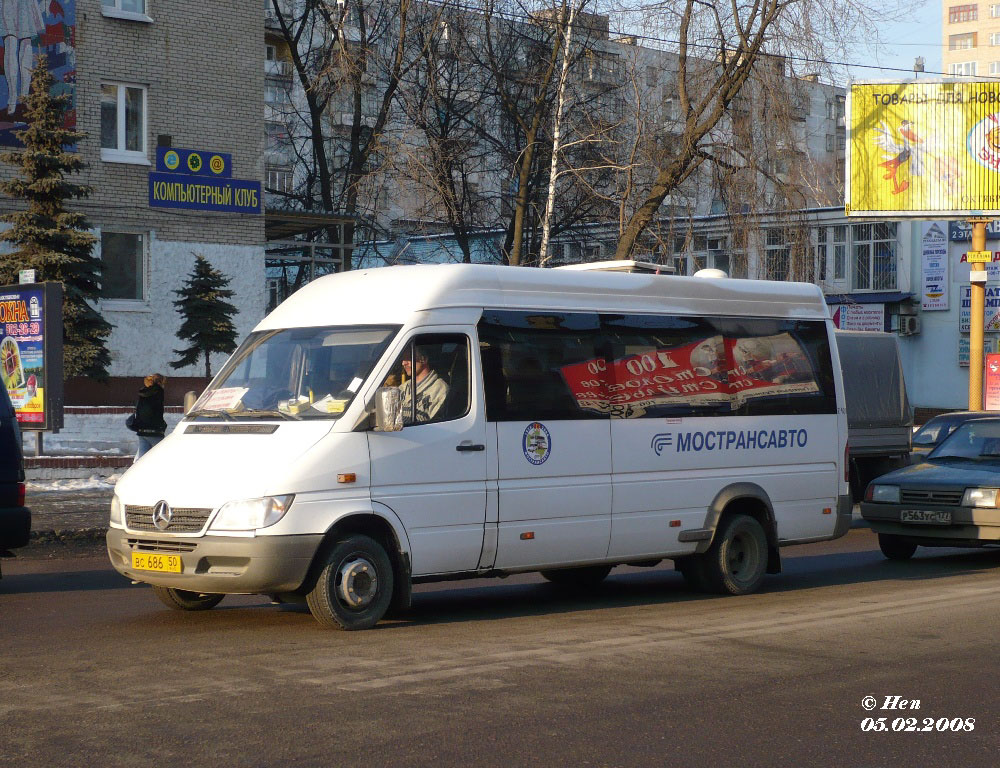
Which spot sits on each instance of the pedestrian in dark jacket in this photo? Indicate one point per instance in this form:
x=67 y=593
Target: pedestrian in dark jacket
x=149 y=424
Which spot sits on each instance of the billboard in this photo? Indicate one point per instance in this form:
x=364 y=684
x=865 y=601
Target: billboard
x=32 y=28
x=923 y=148
x=31 y=352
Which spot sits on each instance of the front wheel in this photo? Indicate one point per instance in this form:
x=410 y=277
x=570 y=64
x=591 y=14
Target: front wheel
x=896 y=547
x=183 y=600
x=354 y=588
x=736 y=561
x=588 y=576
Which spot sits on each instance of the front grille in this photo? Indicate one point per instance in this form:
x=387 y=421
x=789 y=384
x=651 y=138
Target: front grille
x=942 y=498
x=183 y=520
x=151 y=545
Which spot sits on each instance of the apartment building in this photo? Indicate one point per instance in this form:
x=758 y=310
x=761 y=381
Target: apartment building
x=162 y=89
x=971 y=39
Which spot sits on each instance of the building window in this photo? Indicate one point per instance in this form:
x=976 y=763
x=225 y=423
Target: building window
x=830 y=142
x=277 y=95
x=123 y=122
x=123 y=260
x=280 y=180
x=995 y=11
x=840 y=252
x=994 y=38
x=128 y=9
x=960 y=13
x=995 y=67
x=875 y=257
x=961 y=42
x=963 y=69
x=777 y=258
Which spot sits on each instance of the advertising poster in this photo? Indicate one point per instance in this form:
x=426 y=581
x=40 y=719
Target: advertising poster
x=713 y=371
x=989 y=346
x=30 y=373
x=991 y=383
x=934 y=260
x=991 y=312
x=860 y=317
x=924 y=147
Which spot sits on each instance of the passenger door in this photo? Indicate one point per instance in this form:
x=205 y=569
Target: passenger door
x=432 y=473
x=542 y=375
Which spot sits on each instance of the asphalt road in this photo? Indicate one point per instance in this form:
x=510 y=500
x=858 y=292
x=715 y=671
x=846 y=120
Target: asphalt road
x=94 y=671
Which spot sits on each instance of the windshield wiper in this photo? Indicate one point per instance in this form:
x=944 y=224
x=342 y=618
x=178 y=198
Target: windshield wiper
x=224 y=415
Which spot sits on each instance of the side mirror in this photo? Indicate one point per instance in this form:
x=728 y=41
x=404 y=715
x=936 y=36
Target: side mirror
x=388 y=409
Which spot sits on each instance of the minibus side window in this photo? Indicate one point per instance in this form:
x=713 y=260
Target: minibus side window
x=542 y=365
x=698 y=366
x=438 y=364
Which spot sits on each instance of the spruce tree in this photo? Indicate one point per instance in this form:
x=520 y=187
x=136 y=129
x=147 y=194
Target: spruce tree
x=48 y=238
x=208 y=318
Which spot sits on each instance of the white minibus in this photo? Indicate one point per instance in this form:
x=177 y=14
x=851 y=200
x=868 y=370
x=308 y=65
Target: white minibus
x=392 y=426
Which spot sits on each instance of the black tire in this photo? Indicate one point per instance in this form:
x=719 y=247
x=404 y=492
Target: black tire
x=355 y=587
x=896 y=547
x=183 y=600
x=736 y=561
x=587 y=576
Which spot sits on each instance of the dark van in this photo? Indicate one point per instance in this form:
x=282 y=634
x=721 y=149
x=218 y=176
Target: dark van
x=15 y=518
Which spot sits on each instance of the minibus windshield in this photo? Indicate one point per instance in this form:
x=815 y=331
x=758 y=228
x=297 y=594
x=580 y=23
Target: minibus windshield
x=294 y=373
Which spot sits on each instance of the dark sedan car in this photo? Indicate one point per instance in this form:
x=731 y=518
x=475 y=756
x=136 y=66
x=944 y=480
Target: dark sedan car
x=15 y=518
x=949 y=500
x=930 y=435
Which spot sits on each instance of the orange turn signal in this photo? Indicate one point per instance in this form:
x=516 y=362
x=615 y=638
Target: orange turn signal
x=527 y=536
x=675 y=523
x=827 y=511
x=347 y=477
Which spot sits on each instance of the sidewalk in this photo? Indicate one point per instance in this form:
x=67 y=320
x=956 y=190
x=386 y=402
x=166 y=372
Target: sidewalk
x=74 y=515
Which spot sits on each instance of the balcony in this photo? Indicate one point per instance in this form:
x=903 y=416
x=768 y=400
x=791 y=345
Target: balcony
x=278 y=68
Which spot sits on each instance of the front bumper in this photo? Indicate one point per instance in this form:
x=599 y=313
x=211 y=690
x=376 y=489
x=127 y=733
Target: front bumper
x=220 y=564
x=967 y=523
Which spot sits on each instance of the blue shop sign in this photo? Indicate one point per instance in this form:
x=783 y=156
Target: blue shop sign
x=961 y=231
x=194 y=162
x=198 y=193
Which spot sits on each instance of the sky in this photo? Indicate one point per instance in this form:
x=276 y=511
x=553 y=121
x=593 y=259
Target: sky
x=919 y=36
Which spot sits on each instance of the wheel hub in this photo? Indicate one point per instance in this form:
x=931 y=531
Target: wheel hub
x=357 y=583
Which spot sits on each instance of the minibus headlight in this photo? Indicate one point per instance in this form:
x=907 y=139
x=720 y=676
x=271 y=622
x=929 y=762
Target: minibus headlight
x=250 y=514
x=887 y=494
x=116 y=510
x=980 y=497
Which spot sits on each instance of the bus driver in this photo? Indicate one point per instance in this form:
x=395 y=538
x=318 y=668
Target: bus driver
x=431 y=388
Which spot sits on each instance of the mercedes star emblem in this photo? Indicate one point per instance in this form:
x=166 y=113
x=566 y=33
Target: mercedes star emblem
x=162 y=515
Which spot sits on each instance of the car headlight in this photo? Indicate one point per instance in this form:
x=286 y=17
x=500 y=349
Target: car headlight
x=980 y=497
x=887 y=494
x=250 y=514
x=116 y=510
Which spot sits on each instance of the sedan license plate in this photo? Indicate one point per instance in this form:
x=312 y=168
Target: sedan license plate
x=144 y=561
x=924 y=516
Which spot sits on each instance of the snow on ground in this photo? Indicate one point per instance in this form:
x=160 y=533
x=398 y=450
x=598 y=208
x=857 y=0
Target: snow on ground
x=92 y=483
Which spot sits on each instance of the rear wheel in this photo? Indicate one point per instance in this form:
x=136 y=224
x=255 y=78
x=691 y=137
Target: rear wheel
x=588 y=576
x=183 y=600
x=736 y=561
x=896 y=547
x=355 y=587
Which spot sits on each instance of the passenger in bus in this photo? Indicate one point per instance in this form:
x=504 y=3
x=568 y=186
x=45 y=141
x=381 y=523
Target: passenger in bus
x=432 y=390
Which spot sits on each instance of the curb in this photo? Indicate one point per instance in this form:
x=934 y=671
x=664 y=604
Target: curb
x=61 y=536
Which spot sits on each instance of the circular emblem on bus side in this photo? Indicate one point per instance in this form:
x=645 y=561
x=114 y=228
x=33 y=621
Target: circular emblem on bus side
x=162 y=515
x=536 y=443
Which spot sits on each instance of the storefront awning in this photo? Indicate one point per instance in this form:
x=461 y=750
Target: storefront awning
x=885 y=297
x=285 y=225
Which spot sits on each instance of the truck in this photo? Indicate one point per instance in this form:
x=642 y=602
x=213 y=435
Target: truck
x=879 y=416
